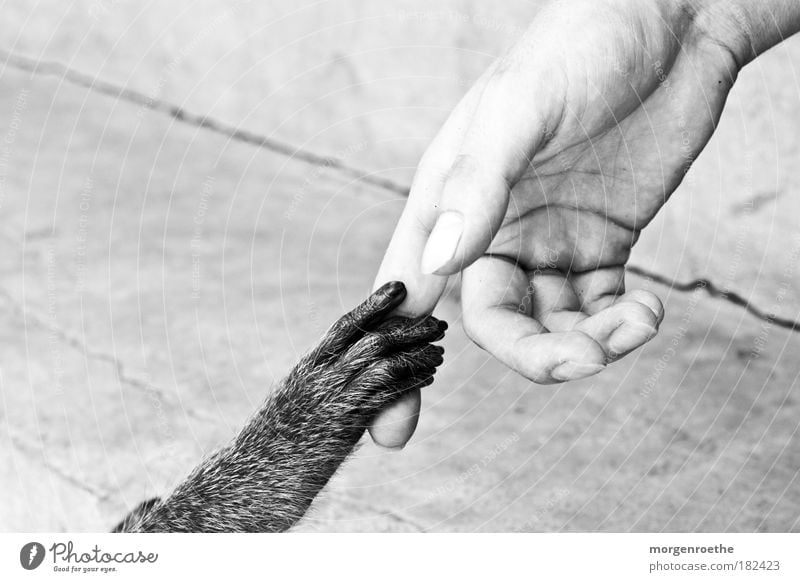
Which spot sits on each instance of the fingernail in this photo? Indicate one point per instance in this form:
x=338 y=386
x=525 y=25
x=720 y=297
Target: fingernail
x=575 y=370
x=443 y=242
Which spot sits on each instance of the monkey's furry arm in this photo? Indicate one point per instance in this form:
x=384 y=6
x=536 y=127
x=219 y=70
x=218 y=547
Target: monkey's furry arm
x=266 y=479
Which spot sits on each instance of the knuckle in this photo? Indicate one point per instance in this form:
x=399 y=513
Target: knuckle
x=465 y=166
x=341 y=326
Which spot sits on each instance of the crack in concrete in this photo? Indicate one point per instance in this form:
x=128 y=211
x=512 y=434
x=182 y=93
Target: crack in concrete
x=34 y=454
x=379 y=511
x=713 y=290
x=57 y=69
x=89 y=353
x=90 y=83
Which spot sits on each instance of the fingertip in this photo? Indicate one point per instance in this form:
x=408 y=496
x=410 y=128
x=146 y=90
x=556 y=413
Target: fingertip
x=648 y=299
x=638 y=326
x=629 y=336
x=392 y=291
x=394 y=426
x=537 y=356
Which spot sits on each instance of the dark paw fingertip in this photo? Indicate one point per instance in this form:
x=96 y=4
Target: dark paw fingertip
x=393 y=290
x=432 y=355
x=439 y=335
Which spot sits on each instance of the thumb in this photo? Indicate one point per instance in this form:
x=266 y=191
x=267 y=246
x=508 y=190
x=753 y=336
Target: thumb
x=474 y=202
x=515 y=114
x=402 y=261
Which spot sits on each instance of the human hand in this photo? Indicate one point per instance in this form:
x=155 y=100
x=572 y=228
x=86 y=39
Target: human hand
x=540 y=181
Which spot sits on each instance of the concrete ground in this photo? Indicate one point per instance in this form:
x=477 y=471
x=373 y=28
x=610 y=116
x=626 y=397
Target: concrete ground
x=159 y=276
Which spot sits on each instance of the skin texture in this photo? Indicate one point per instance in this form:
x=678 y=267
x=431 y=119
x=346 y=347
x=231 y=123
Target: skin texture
x=267 y=478
x=553 y=163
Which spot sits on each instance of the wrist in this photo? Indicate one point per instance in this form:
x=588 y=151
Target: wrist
x=745 y=28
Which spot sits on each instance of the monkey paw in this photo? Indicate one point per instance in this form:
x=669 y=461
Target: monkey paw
x=267 y=478
x=369 y=358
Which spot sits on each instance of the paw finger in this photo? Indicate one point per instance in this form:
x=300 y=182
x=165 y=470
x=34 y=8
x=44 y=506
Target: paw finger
x=395 y=334
x=357 y=322
x=402 y=331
